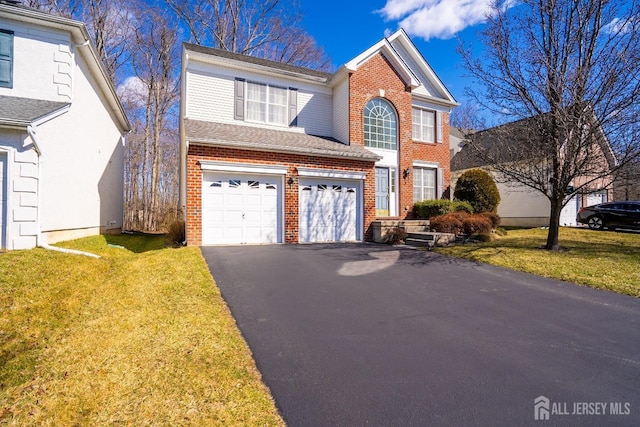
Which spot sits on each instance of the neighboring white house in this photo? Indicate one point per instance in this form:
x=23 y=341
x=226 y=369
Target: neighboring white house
x=521 y=206
x=62 y=132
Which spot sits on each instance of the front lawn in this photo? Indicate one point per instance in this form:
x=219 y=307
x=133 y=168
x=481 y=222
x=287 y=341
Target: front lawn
x=138 y=337
x=600 y=259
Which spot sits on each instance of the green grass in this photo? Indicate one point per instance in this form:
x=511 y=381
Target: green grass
x=138 y=337
x=599 y=259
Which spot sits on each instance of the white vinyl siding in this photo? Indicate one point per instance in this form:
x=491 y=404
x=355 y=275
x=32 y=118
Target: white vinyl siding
x=341 y=111
x=426 y=87
x=424 y=184
x=209 y=97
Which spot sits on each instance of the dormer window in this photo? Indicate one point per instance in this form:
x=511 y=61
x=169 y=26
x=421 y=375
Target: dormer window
x=6 y=58
x=266 y=103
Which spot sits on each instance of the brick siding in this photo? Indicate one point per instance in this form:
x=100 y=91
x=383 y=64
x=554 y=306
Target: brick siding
x=291 y=162
x=365 y=84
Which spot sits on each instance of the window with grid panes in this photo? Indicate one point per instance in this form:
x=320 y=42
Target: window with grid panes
x=380 y=125
x=424 y=184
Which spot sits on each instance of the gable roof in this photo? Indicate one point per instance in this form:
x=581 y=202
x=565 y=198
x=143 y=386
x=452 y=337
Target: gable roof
x=522 y=135
x=84 y=46
x=386 y=49
x=257 y=138
x=234 y=58
x=21 y=112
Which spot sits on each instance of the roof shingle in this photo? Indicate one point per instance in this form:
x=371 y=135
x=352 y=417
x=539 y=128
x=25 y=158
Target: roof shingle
x=23 y=111
x=256 y=138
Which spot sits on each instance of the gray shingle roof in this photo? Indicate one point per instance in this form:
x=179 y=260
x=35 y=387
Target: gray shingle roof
x=258 y=61
x=249 y=137
x=23 y=111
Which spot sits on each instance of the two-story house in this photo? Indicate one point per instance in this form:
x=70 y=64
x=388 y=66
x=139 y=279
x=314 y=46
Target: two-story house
x=62 y=132
x=276 y=153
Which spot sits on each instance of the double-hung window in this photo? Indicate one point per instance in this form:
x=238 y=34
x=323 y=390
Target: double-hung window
x=6 y=58
x=266 y=103
x=424 y=125
x=424 y=184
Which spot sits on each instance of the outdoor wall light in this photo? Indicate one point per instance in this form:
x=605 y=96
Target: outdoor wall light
x=290 y=181
x=406 y=172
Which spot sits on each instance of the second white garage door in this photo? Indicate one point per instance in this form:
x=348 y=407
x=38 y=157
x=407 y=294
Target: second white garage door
x=329 y=210
x=238 y=208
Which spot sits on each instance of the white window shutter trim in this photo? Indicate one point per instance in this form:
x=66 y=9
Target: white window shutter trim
x=439 y=179
x=439 y=126
x=238 y=108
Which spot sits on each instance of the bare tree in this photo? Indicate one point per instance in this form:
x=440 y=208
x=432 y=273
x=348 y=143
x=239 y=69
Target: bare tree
x=269 y=29
x=110 y=23
x=570 y=68
x=155 y=64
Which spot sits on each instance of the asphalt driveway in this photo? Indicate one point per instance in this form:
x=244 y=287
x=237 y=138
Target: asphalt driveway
x=363 y=334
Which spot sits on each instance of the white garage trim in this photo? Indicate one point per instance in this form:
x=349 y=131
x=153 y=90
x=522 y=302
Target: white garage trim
x=330 y=210
x=241 y=208
x=207 y=165
x=331 y=173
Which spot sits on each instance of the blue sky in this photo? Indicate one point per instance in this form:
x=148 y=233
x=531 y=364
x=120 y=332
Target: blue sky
x=345 y=28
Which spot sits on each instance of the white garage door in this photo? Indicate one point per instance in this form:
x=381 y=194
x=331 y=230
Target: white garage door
x=238 y=209
x=329 y=210
x=3 y=200
x=569 y=212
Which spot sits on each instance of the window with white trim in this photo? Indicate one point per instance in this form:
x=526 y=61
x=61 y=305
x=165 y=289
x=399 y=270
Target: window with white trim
x=6 y=58
x=380 y=125
x=266 y=103
x=424 y=124
x=424 y=184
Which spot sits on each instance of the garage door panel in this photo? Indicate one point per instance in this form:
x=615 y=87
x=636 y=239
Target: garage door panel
x=328 y=210
x=238 y=208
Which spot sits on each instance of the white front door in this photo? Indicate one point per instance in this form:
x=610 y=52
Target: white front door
x=328 y=210
x=238 y=209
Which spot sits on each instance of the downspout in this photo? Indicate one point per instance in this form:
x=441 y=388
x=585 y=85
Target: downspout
x=39 y=240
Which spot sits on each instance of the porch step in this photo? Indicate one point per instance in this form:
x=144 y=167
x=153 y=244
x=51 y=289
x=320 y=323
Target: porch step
x=424 y=239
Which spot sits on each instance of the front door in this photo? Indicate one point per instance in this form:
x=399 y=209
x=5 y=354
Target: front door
x=382 y=192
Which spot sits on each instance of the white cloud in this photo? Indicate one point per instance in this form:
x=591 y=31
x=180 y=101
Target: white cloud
x=436 y=18
x=133 y=91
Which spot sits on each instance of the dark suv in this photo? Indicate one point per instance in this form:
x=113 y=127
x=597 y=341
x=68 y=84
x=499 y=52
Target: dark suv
x=611 y=215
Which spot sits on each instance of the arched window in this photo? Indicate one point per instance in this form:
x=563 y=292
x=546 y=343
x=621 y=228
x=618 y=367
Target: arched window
x=380 y=125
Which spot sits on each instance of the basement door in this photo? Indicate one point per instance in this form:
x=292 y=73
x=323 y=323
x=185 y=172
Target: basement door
x=239 y=209
x=328 y=210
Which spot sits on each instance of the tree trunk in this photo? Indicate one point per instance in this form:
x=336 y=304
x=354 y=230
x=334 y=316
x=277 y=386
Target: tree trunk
x=554 y=225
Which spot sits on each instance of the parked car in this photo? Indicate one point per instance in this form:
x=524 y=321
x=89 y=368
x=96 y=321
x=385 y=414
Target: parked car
x=611 y=215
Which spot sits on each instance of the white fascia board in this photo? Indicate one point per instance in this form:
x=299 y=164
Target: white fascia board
x=207 y=165
x=241 y=65
x=438 y=101
x=40 y=120
x=331 y=173
x=384 y=47
x=403 y=38
x=425 y=164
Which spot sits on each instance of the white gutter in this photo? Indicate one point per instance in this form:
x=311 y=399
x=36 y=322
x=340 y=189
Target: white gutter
x=39 y=240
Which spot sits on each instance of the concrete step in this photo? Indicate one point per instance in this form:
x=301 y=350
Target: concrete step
x=419 y=243
x=429 y=239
